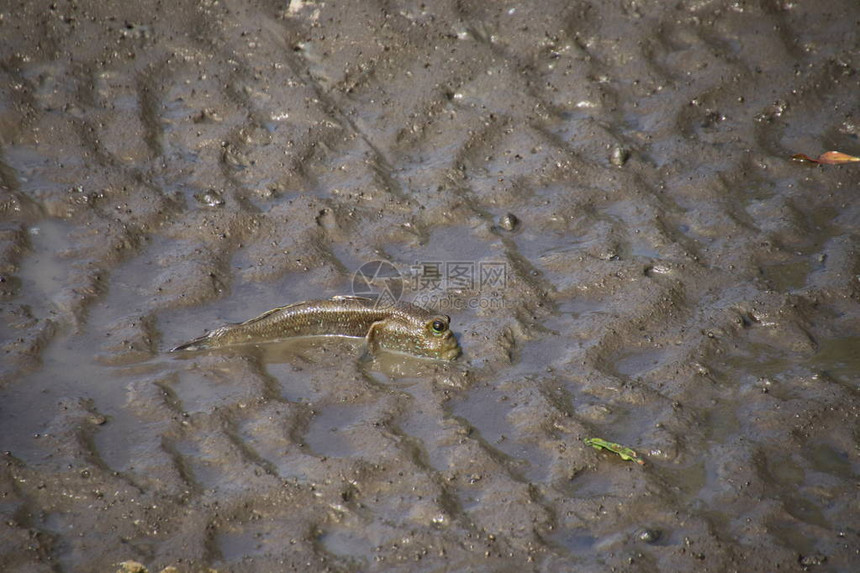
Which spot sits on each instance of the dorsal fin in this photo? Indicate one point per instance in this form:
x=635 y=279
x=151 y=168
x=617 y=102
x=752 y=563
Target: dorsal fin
x=351 y=297
x=269 y=313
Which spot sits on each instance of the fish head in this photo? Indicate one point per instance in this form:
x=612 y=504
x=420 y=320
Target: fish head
x=427 y=336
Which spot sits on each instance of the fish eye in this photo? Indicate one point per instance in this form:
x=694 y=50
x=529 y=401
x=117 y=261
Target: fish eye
x=438 y=326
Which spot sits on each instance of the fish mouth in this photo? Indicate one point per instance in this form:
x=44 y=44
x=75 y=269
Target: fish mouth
x=443 y=348
x=451 y=348
x=449 y=353
x=452 y=353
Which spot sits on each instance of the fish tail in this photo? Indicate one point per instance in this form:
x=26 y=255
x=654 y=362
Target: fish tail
x=209 y=340
x=200 y=343
x=196 y=344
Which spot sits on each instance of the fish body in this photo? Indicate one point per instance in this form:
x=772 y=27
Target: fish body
x=402 y=327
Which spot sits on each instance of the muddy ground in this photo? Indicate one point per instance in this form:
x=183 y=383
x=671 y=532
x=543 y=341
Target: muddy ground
x=671 y=281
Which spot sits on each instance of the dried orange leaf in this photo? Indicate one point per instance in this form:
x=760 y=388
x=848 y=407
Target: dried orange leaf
x=835 y=158
x=826 y=158
x=801 y=158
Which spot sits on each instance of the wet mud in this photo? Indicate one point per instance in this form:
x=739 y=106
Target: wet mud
x=671 y=281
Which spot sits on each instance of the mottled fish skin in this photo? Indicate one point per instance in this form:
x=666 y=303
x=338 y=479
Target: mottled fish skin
x=403 y=327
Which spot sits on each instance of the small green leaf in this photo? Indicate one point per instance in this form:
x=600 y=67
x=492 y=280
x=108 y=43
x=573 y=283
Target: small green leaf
x=623 y=452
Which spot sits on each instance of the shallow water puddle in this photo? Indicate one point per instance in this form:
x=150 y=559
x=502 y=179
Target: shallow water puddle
x=46 y=275
x=487 y=411
x=29 y=407
x=348 y=543
x=639 y=363
x=329 y=432
x=840 y=358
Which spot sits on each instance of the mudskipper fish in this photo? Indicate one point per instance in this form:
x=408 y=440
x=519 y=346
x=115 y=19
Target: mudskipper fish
x=402 y=327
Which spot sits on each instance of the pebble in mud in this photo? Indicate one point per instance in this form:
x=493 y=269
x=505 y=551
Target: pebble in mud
x=619 y=156
x=509 y=222
x=210 y=198
x=647 y=535
x=810 y=560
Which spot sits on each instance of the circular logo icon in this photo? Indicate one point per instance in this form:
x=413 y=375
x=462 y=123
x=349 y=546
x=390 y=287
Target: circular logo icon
x=378 y=281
